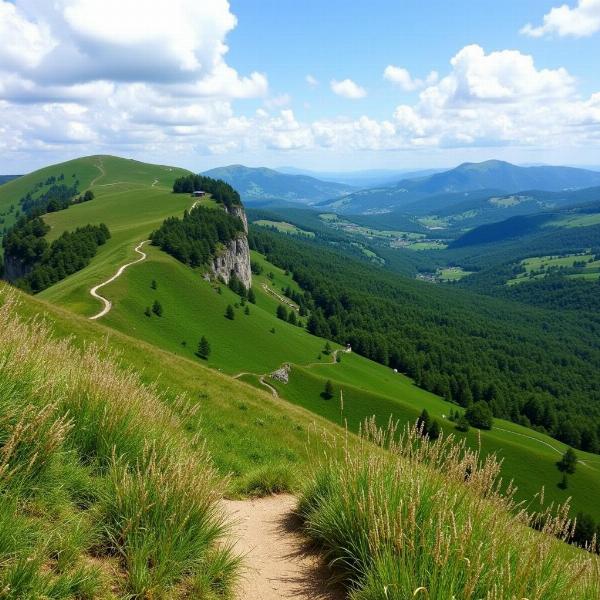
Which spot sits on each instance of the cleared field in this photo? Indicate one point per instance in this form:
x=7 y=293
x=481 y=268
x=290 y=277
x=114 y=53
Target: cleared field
x=452 y=273
x=427 y=245
x=585 y=266
x=284 y=227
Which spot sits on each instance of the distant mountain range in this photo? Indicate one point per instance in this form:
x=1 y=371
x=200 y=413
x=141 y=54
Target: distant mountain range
x=259 y=185
x=363 y=179
x=494 y=175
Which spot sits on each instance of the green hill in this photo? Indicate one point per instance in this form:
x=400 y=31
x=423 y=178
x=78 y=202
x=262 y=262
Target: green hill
x=144 y=387
x=257 y=185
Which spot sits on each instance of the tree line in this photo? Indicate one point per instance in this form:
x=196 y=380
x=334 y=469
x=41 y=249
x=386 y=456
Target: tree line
x=525 y=364
x=195 y=238
x=220 y=191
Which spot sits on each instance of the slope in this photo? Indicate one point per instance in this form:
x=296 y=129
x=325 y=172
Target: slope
x=261 y=184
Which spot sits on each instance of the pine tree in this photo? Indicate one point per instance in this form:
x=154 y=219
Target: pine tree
x=568 y=463
x=563 y=484
x=328 y=391
x=148 y=312
x=247 y=310
x=203 y=348
x=157 y=308
x=423 y=422
x=154 y=285
x=292 y=318
x=327 y=348
x=229 y=313
x=282 y=313
x=251 y=296
x=434 y=430
x=462 y=424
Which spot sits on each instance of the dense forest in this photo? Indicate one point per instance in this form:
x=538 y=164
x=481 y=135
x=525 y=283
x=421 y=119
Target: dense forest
x=530 y=365
x=194 y=240
x=41 y=264
x=219 y=190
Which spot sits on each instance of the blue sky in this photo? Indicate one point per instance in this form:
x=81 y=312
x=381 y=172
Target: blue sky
x=393 y=84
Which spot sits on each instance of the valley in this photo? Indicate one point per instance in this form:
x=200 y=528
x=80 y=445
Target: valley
x=251 y=338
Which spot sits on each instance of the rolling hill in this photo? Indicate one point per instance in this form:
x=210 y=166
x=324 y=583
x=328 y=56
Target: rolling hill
x=260 y=185
x=497 y=176
x=262 y=432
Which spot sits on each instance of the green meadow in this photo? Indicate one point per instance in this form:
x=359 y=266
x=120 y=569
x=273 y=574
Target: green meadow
x=132 y=204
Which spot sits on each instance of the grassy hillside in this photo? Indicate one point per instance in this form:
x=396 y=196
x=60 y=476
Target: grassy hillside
x=128 y=202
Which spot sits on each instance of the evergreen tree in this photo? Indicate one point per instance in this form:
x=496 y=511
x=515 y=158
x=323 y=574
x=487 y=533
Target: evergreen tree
x=568 y=463
x=327 y=348
x=563 y=484
x=423 y=422
x=203 y=348
x=292 y=318
x=247 y=310
x=462 y=424
x=153 y=285
x=282 y=313
x=434 y=430
x=479 y=415
x=157 y=308
x=229 y=313
x=251 y=296
x=328 y=391
x=148 y=312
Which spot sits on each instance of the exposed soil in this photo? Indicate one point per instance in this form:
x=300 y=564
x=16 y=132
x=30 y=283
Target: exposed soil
x=279 y=562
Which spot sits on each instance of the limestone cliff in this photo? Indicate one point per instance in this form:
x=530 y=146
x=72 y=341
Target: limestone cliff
x=234 y=258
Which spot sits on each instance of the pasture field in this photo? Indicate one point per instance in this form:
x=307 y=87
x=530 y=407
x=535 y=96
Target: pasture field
x=585 y=265
x=284 y=227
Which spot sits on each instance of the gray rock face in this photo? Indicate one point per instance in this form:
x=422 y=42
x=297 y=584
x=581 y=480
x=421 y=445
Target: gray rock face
x=235 y=256
x=282 y=374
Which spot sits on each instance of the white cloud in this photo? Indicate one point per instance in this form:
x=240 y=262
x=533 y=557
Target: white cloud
x=311 y=80
x=401 y=77
x=581 y=21
x=348 y=89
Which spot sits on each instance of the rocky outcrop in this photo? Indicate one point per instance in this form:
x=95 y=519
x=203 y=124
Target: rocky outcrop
x=234 y=258
x=282 y=374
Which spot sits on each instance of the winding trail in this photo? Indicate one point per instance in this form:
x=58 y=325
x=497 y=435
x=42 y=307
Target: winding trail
x=279 y=564
x=107 y=303
x=100 y=167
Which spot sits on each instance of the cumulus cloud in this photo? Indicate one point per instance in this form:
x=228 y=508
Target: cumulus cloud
x=401 y=77
x=348 y=89
x=579 y=21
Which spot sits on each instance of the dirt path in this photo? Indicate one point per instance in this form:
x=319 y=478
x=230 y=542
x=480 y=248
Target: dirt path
x=108 y=303
x=279 y=564
x=100 y=167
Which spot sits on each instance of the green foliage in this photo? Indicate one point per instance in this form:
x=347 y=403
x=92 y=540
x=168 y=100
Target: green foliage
x=282 y=312
x=327 y=393
x=194 y=240
x=434 y=430
x=204 y=348
x=462 y=424
x=251 y=296
x=479 y=415
x=423 y=422
x=157 y=308
x=220 y=191
x=568 y=462
x=153 y=284
x=229 y=312
x=460 y=346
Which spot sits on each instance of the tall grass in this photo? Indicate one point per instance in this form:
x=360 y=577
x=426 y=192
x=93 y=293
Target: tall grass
x=429 y=520
x=95 y=467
